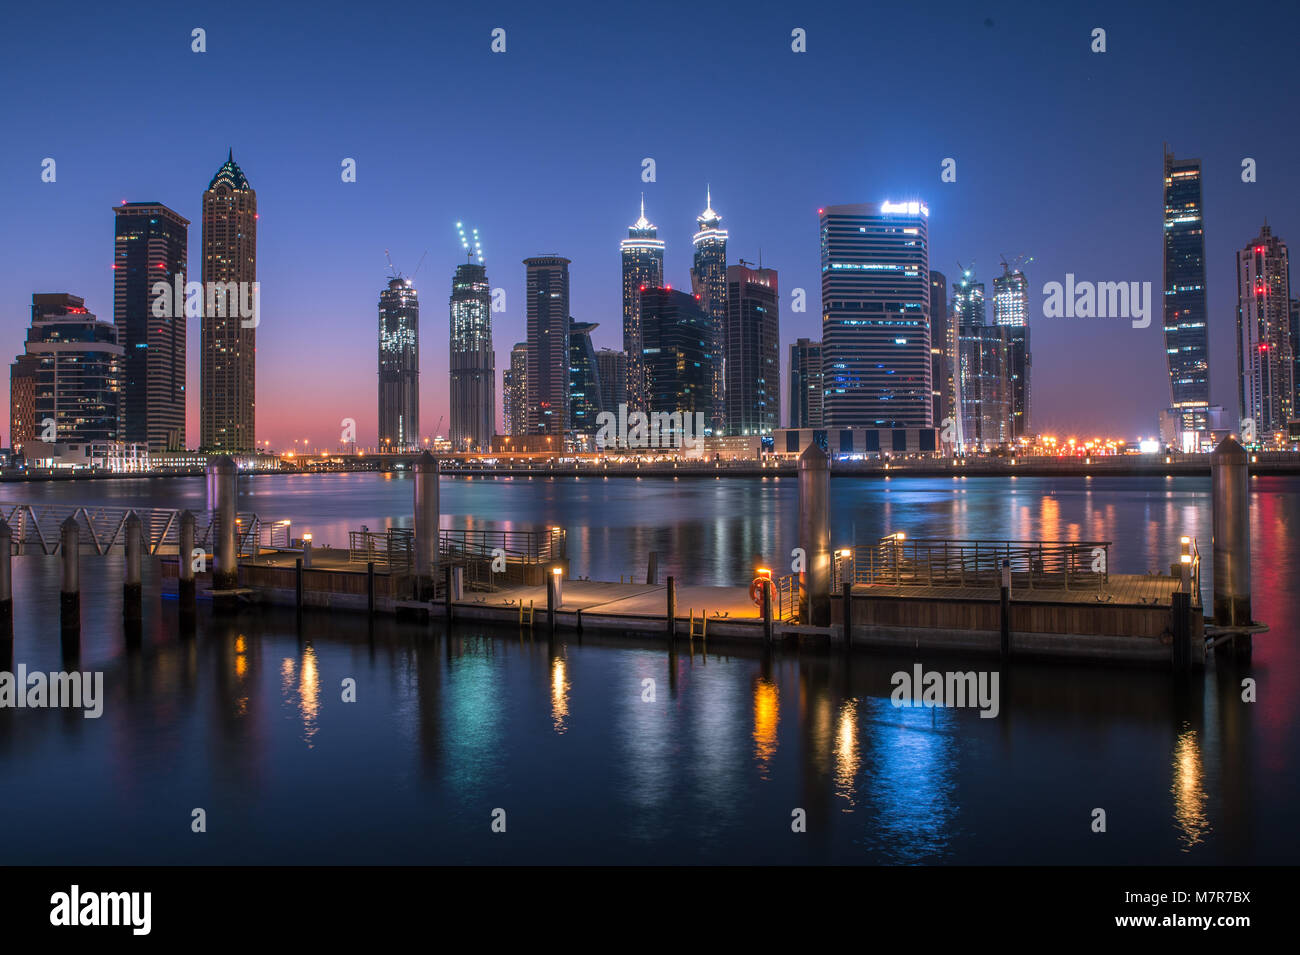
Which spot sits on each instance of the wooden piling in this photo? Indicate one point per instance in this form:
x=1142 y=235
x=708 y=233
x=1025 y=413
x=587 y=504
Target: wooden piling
x=672 y=608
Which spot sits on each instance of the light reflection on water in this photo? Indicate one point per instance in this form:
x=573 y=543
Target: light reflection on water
x=246 y=719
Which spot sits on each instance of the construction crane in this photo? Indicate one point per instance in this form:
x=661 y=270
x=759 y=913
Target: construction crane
x=1016 y=261
x=397 y=274
x=474 y=249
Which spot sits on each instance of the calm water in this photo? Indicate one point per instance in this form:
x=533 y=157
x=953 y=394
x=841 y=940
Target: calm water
x=247 y=722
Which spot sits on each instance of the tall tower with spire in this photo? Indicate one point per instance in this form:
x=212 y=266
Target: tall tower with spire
x=709 y=283
x=228 y=334
x=643 y=268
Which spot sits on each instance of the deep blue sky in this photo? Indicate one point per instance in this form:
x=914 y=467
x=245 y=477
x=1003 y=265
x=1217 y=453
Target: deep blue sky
x=1058 y=156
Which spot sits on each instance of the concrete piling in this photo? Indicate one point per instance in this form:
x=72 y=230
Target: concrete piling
x=185 y=590
x=70 y=588
x=222 y=479
x=815 y=537
x=133 y=582
x=652 y=569
x=1230 y=496
x=6 y=594
x=427 y=520
x=671 y=591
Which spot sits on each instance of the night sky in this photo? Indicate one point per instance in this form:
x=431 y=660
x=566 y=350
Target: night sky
x=1058 y=156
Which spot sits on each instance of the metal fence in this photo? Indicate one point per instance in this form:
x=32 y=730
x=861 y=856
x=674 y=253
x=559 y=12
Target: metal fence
x=936 y=562
x=787 y=598
x=37 y=528
x=474 y=550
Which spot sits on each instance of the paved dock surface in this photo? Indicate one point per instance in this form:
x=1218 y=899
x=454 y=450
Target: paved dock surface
x=629 y=600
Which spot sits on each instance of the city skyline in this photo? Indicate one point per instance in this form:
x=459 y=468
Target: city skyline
x=319 y=280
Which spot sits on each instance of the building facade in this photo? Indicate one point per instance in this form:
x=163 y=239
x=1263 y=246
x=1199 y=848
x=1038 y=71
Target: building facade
x=612 y=365
x=548 y=344
x=514 y=387
x=399 y=365
x=709 y=280
x=1187 y=350
x=150 y=247
x=585 y=401
x=940 y=363
x=1265 y=348
x=228 y=335
x=1011 y=311
x=753 y=356
x=72 y=364
x=473 y=361
x=876 y=315
x=643 y=267
x=805 y=384
x=679 y=367
x=984 y=386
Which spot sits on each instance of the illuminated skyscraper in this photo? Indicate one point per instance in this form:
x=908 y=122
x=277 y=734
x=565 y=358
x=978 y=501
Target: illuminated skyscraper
x=941 y=385
x=643 y=267
x=548 y=344
x=399 y=365
x=805 y=384
x=150 y=244
x=74 y=362
x=709 y=281
x=514 y=386
x=473 y=361
x=1011 y=311
x=1265 y=348
x=753 y=366
x=228 y=335
x=876 y=315
x=1187 y=349
x=612 y=365
x=584 y=379
x=677 y=361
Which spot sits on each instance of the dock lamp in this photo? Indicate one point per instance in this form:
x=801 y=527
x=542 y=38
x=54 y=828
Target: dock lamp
x=306 y=550
x=1185 y=573
x=557 y=586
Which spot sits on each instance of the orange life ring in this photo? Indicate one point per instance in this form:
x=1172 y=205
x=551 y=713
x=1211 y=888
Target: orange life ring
x=756 y=590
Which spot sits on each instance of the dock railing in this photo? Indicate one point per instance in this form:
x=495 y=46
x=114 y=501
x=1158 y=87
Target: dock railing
x=898 y=561
x=35 y=528
x=787 y=598
x=476 y=550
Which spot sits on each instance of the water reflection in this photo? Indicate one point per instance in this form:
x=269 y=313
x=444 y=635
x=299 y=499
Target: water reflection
x=1188 y=788
x=767 y=713
x=559 y=694
x=847 y=757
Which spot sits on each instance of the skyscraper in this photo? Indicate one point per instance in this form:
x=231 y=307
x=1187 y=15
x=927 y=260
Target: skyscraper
x=679 y=368
x=643 y=267
x=984 y=386
x=1011 y=311
x=1265 y=349
x=876 y=315
x=149 y=249
x=76 y=362
x=548 y=344
x=753 y=365
x=584 y=379
x=1187 y=347
x=709 y=281
x=228 y=337
x=473 y=361
x=399 y=365
x=514 y=386
x=940 y=365
x=612 y=365
x=805 y=384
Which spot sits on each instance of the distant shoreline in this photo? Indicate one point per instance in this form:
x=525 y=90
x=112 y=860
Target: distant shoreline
x=1277 y=463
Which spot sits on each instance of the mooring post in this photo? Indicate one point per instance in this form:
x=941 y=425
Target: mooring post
x=447 y=594
x=427 y=519
x=848 y=614
x=551 y=581
x=652 y=569
x=767 y=610
x=70 y=589
x=222 y=474
x=133 y=584
x=297 y=583
x=672 y=608
x=1180 y=612
x=185 y=567
x=1230 y=496
x=815 y=537
x=1006 y=608
x=370 y=587
x=6 y=593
